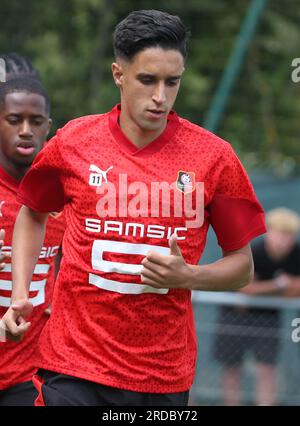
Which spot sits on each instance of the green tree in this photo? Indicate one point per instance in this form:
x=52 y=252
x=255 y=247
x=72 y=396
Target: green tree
x=71 y=44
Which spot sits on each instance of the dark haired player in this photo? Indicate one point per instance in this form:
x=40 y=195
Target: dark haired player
x=15 y=65
x=122 y=332
x=24 y=125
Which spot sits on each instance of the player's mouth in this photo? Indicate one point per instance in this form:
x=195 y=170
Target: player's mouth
x=156 y=113
x=26 y=148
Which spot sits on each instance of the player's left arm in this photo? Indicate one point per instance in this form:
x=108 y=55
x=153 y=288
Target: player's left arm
x=233 y=271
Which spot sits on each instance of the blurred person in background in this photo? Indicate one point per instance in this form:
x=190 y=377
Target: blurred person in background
x=24 y=126
x=277 y=273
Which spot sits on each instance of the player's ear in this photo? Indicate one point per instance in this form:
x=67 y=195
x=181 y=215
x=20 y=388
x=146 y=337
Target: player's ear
x=49 y=126
x=117 y=72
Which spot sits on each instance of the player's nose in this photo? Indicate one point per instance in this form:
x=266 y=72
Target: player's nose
x=25 y=130
x=159 y=95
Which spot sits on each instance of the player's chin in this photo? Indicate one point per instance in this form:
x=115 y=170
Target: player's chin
x=152 y=126
x=24 y=161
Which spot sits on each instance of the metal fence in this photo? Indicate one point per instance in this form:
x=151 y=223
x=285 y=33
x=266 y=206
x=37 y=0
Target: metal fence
x=242 y=336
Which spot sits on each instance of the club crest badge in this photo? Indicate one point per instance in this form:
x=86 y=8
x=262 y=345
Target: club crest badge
x=186 y=182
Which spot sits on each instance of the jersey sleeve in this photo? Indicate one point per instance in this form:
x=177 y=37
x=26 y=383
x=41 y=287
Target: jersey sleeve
x=235 y=213
x=41 y=188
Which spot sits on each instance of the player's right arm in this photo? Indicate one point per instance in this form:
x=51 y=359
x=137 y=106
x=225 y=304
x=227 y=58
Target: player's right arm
x=28 y=237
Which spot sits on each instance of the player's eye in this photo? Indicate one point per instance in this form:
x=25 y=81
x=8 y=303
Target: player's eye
x=38 y=121
x=172 y=83
x=13 y=120
x=146 y=80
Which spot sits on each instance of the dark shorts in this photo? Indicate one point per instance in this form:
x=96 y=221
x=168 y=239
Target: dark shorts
x=61 y=390
x=23 y=394
x=241 y=331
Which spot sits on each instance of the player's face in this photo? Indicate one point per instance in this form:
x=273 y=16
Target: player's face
x=149 y=85
x=24 y=125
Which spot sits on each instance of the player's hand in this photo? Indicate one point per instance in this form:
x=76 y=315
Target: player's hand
x=3 y=256
x=171 y=271
x=14 y=321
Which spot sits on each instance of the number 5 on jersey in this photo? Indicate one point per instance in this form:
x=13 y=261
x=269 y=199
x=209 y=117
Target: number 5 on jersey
x=99 y=264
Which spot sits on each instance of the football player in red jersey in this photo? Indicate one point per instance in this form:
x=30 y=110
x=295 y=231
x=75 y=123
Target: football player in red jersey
x=24 y=125
x=122 y=329
x=15 y=65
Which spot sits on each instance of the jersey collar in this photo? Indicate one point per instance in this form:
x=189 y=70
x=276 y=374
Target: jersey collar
x=148 y=149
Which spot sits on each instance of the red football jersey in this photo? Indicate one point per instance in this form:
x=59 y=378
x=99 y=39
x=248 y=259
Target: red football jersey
x=17 y=360
x=121 y=202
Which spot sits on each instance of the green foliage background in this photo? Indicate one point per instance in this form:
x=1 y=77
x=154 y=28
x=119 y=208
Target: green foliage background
x=70 y=42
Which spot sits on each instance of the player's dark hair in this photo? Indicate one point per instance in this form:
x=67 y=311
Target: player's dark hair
x=142 y=29
x=18 y=66
x=24 y=84
x=21 y=76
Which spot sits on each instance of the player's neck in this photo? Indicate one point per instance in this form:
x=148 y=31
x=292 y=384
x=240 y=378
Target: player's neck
x=14 y=171
x=138 y=136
